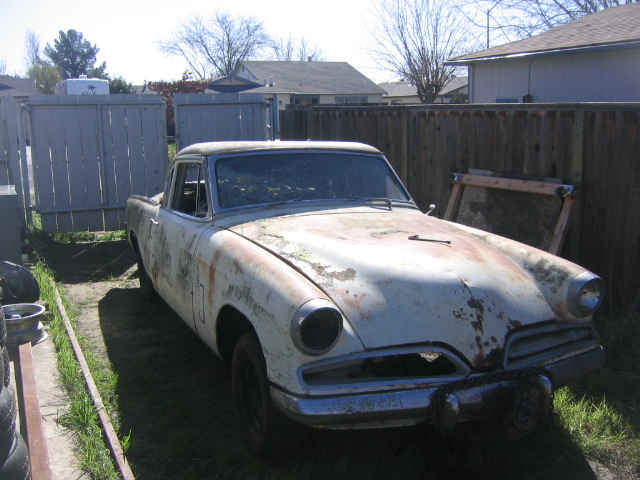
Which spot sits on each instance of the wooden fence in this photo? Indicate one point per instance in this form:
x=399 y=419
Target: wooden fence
x=90 y=153
x=13 y=164
x=202 y=117
x=593 y=146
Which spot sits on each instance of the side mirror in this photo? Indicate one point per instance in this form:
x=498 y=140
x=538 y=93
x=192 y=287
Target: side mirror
x=432 y=207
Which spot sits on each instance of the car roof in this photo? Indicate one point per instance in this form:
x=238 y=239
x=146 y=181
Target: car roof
x=218 y=148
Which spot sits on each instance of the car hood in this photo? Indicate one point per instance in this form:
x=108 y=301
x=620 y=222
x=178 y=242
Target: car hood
x=401 y=277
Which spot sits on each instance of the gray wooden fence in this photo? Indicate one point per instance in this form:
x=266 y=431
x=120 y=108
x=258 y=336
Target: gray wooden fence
x=13 y=154
x=90 y=153
x=223 y=116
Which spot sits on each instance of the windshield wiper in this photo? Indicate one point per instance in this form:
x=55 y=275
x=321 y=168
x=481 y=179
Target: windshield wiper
x=387 y=201
x=280 y=202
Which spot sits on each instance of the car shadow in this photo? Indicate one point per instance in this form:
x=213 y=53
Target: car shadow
x=174 y=397
x=82 y=262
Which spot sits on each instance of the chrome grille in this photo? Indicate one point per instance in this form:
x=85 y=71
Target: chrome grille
x=548 y=343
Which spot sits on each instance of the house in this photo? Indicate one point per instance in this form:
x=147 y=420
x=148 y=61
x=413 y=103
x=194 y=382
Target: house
x=593 y=59
x=17 y=87
x=301 y=83
x=404 y=93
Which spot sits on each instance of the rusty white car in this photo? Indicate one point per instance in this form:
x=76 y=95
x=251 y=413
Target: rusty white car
x=339 y=304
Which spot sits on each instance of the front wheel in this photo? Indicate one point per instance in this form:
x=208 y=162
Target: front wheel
x=268 y=433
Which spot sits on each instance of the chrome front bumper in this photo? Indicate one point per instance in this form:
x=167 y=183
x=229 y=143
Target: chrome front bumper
x=412 y=406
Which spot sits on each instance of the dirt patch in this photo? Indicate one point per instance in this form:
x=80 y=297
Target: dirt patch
x=174 y=398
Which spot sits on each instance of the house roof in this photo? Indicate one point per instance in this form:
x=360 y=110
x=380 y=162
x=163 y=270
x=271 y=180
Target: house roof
x=307 y=78
x=399 y=89
x=17 y=87
x=614 y=27
x=406 y=89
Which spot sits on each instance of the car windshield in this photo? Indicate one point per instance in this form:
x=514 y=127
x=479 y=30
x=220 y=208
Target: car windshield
x=256 y=179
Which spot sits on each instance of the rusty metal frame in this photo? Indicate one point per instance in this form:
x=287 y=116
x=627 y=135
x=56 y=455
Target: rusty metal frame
x=563 y=191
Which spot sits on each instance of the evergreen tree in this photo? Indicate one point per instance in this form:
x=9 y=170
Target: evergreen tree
x=73 y=56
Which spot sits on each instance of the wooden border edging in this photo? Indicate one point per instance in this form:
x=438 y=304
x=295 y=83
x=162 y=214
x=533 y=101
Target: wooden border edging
x=107 y=427
x=30 y=416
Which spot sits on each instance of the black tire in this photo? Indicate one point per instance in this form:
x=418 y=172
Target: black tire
x=268 y=433
x=7 y=421
x=17 y=467
x=4 y=377
x=146 y=286
x=3 y=328
x=7 y=366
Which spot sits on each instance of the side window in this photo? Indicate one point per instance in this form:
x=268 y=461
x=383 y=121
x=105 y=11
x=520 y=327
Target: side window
x=190 y=192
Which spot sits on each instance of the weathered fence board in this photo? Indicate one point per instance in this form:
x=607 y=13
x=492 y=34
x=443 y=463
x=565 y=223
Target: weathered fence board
x=91 y=152
x=215 y=117
x=13 y=159
x=593 y=146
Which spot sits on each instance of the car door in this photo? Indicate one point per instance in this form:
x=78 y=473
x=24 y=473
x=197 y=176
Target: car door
x=175 y=231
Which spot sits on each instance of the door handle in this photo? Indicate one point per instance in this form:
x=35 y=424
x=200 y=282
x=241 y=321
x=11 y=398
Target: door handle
x=153 y=221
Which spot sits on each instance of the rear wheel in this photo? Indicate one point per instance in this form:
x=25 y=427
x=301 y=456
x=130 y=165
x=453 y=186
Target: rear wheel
x=269 y=434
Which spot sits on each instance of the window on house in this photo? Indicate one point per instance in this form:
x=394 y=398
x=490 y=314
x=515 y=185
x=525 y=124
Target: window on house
x=305 y=99
x=351 y=100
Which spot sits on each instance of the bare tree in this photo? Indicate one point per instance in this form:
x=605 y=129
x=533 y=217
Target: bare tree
x=414 y=38
x=31 y=49
x=529 y=17
x=212 y=47
x=3 y=66
x=288 y=49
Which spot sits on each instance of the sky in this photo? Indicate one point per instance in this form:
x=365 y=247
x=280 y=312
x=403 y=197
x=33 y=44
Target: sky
x=127 y=32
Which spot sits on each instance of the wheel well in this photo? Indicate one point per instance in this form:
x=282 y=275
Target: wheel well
x=231 y=325
x=133 y=240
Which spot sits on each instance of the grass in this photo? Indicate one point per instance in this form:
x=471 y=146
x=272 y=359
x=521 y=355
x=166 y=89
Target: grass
x=80 y=416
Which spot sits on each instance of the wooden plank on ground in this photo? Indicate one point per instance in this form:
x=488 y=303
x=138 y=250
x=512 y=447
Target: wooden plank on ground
x=30 y=417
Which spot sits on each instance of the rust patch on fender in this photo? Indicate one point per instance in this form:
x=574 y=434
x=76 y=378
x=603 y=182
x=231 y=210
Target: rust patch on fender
x=348 y=274
x=548 y=273
x=515 y=323
x=479 y=308
x=486 y=360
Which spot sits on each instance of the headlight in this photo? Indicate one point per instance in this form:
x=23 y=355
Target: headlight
x=316 y=327
x=585 y=294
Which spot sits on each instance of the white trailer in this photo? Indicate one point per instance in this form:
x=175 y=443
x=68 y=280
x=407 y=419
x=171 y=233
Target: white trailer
x=83 y=86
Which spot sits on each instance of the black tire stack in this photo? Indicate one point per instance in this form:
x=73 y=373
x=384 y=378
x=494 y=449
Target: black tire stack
x=14 y=456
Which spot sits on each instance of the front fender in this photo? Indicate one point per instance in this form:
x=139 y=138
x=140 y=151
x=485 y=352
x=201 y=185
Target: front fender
x=233 y=271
